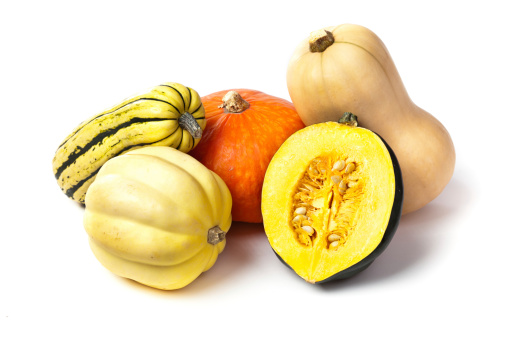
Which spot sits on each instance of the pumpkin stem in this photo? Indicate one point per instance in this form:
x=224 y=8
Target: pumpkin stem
x=320 y=40
x=349 y=119
x=234 y=103
x=215 y=235
x=188 y=122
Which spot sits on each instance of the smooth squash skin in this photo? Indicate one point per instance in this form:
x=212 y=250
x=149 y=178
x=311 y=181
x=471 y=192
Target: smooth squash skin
x=244 y=129
x=331 y=200
x=157 y=216
x=350 y=69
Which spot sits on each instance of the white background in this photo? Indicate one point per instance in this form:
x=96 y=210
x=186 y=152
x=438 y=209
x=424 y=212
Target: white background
x=62 y=61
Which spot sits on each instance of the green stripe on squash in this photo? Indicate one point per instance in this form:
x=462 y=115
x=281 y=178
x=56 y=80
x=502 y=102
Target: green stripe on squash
x=150 y=118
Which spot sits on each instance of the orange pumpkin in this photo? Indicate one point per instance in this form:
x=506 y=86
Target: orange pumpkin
x=244 y=130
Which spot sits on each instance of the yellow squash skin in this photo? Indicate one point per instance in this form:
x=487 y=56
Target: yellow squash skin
x=360 y=215
x=357 y=74
x=169 y=114
x=149 y=213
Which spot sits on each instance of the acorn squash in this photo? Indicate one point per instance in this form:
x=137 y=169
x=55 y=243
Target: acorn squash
x=157 y=216
x=331 y=200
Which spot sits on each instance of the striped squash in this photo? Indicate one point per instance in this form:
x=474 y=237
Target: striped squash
x=166 y=115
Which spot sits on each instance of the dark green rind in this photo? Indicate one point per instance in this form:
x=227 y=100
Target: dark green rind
x=392 y=226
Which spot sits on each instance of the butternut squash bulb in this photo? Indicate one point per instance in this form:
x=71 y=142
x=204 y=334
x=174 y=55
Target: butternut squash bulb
x=331 y=200
x=348 y=68
x=157 y=216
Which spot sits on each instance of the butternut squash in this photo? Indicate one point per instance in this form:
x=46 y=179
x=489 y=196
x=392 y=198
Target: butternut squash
x=347 y=68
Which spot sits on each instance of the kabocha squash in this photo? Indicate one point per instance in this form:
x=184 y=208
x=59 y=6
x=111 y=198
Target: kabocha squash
x=245 y=128
x=168 y=115
x=348 y=68
x=331 y=200
x=157 y=216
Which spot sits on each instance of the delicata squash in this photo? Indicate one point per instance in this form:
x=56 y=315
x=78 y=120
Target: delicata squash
x=167 y=115
x=331 y=200
x=157 y=216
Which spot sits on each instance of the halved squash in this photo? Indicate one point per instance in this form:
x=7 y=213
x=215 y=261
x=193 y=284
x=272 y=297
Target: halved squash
x=331 y=200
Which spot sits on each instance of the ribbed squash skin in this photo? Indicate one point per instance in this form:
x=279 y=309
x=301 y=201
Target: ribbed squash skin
x=366 y=215
x=150 y=212
x=150 y=118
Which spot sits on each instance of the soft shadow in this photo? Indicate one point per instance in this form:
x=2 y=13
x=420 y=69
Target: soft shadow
x=413 y=243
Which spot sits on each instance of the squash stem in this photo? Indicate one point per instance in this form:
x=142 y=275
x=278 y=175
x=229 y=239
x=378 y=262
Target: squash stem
x=349 y=119
x=232 y=102
x=320 y=40
x=188 y=122
x=215 y=235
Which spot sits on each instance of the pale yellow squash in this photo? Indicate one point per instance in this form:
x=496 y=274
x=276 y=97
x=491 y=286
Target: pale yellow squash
x=347 y=68
x=157 y=216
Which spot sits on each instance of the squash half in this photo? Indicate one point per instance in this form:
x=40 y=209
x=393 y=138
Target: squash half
x=331 y=200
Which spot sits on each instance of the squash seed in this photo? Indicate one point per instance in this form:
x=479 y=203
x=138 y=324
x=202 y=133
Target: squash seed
x=300 y=211
x=350 y=168
x=343 y=185
x=334 y=244
x=308 y=229
x=299 y=218
x=336 y=179
x=339 y=165
x=333 y=238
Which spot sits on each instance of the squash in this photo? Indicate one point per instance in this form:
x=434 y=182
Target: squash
x=244 y=129
x=157 y=216
x=348 y=68
x=332 y=200
x=168 y=115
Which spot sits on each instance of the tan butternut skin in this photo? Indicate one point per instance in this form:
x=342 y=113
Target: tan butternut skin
x=357 y=74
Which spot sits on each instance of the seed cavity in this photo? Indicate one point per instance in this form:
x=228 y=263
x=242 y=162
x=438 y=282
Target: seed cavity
x=325 y=201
